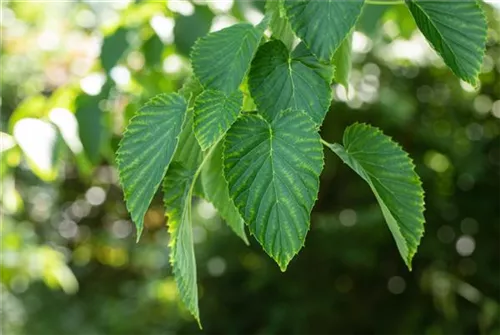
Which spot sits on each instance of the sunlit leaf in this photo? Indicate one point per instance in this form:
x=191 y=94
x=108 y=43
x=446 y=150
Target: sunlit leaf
x=456 y=30
x=391 y=176
x=146 y=150
x=273 y=168
x=41 y=145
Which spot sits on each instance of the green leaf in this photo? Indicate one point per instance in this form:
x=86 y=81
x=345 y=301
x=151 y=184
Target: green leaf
x=323 y=25
x=146 y=150
x=273 y=168
x=214 y=113
x=216 y=191
x=188 y=151
x=221 y=59
x=342 y=62
x=114 y=47
x=189 y=28
x=177 y=198
x=279 y=25
x=456 y=30
x=279 y=80
x=391 y=176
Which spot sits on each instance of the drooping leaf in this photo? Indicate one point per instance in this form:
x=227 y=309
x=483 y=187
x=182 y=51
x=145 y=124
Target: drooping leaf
x=273 y=168
x=342 y=62
x=188 y=151
x=390 y=173
x=214 y=113
x=279 y=80
x=146 y=150
x=217 y=192
x=323 y=25
x=221 y=59
x=456 y=30
x=177 y=199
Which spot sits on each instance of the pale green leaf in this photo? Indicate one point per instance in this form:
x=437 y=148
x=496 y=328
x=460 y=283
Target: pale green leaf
x=216 y=191
x=456 y=30
x=342 y=62
x=278 y=24
x=279 y=80
x=390 y=173
x=221 y=59
x=273 y=168
x=323 y=25
x=214 y=113
x=177 y=198
x=146 y=150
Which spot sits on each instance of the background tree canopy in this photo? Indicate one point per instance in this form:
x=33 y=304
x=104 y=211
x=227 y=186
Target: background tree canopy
x=74 y=73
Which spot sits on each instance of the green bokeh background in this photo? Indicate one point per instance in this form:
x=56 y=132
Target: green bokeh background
x=72 y=75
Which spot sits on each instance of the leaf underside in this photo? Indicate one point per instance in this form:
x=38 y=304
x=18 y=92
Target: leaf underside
x=323 y=25
x=221 y=59
x=390 y=174
x=273 y=168
x=216 y=191
x=456 y=30
x=279 y=80
x=146 y=151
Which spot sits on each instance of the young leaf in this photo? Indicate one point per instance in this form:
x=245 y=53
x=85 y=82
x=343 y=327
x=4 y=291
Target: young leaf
x=273 y=168
x=146 y=150
x=391 y=176
x=177 y=198
x=342 y=62
x=323 y=25
x=214 y=113
x=221 y=59
x=456 y=30
x=216 y=191
x=279 y=80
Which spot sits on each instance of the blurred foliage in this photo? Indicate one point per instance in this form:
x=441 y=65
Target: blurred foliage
x=73 y=73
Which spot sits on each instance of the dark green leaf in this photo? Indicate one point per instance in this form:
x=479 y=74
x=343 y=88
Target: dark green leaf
x=273 y=169
x=214 y=113
x=391 y=176
x=146 y=150
x=323 y=25
x=456 y=30
x=279 y=80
